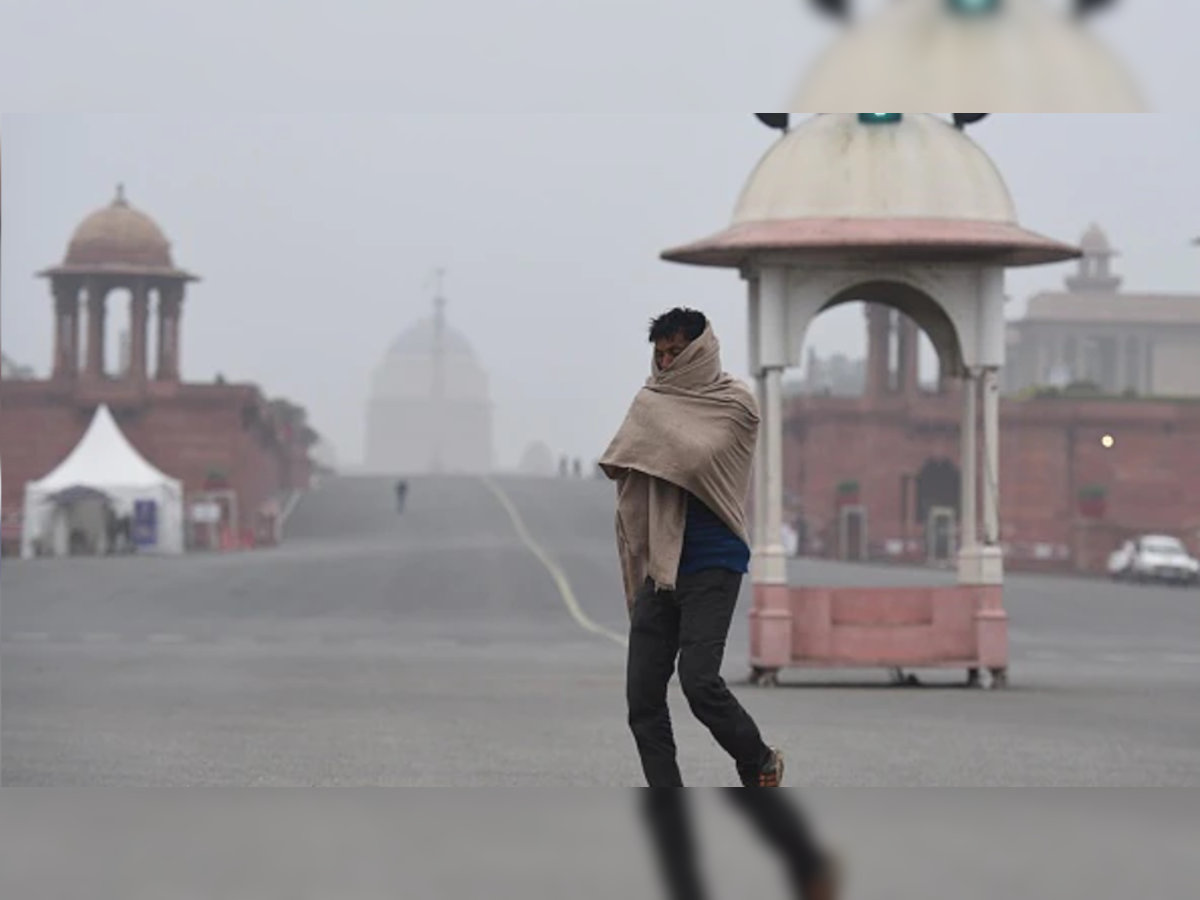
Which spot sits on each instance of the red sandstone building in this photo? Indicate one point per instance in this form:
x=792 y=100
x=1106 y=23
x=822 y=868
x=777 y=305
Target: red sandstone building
x=877 y=476
x=226 y=442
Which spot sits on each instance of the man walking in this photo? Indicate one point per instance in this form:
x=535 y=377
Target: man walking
x=683 y=463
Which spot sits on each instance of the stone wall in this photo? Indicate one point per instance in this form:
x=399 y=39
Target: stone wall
x=1050 y=450
x=187 y=431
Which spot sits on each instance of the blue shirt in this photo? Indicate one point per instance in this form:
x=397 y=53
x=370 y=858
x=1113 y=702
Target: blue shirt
x=708 y=543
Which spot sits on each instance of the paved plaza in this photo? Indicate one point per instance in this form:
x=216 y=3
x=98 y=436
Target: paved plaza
x=475 y=641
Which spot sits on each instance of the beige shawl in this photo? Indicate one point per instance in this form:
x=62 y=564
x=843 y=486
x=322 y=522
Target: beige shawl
x=692 y=428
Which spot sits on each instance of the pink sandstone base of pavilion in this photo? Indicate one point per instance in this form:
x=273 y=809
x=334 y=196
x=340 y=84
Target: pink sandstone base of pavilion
x=962 y=627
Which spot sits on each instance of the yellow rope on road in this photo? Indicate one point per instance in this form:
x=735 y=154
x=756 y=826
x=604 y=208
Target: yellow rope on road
x=560 y=579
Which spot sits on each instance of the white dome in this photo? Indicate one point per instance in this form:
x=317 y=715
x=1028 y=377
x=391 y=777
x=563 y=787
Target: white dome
x=407 y=371
x=918 y=188
x=416 y=425
x=835 y=167
x=1095 y=241
x=1028 y=57
x=420 y=339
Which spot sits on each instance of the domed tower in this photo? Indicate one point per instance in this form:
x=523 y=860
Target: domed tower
x=430 y=409
x=1095 y=275
x=117 y=248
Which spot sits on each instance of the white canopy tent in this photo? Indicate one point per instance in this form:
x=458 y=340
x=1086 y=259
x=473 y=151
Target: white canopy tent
x=105 y=461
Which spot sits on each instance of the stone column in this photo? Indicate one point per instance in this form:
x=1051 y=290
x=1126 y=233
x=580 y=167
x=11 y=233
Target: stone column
x=1041 y=365
x=909 y=351
x=139 y=319
x=97 y=316
x=968 y=527
x=66 y=329
x=772 y=351
x=947 y=383
x=981 y=568
x=759 y=527
x=170 y=308
x=774 y=553
x=771 y=620
x=879 y=349
x=991 y=458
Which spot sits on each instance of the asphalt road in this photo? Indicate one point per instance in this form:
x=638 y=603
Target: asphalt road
x=455 y=645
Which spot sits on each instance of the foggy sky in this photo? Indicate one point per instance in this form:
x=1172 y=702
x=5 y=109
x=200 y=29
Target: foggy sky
x=315 y=230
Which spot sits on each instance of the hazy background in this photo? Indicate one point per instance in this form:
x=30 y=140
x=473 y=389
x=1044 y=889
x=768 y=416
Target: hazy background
x=314 y=162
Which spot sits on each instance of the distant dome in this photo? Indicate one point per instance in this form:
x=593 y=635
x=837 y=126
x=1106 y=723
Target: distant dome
x=1095 y=241
x=407 y=370
x=119 y=236
x=419 y=341
x=1095 y=274
x=430 y=411
x=918 y=186
x=1027 y=57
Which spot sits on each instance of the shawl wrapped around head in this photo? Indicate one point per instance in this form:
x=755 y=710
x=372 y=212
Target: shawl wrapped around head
x=692 y=429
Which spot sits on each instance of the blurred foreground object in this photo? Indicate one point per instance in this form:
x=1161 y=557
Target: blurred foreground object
x=777 y=821
x=835 y=9
x=1010 y=56
x=776 y=121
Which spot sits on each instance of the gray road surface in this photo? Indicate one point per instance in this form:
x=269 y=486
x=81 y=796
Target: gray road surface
x=436 y=649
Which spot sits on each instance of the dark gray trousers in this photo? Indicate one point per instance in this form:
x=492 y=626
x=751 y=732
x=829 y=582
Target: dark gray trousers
x=688 y=629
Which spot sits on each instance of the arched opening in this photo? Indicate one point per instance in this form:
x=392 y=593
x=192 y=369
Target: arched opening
x=878 y=338
x=848 y=410
x=916 y=306
x=118 y=333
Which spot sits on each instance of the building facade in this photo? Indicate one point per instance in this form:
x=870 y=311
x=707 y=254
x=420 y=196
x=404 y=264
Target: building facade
x=1114 y=341
x=877 y=476
x=226 y=442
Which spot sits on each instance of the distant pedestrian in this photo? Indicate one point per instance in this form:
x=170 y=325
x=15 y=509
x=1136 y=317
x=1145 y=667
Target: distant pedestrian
x=401 y=495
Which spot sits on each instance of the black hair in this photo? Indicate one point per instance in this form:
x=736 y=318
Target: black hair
x=688 y=322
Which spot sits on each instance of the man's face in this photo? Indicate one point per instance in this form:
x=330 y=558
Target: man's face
x=669 y=349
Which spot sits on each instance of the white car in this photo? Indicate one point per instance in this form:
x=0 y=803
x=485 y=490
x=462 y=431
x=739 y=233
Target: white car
x=1155 y=558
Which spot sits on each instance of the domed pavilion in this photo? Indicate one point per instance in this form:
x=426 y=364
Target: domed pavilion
x=117 y=247
x=229 y=447
x=907 y=211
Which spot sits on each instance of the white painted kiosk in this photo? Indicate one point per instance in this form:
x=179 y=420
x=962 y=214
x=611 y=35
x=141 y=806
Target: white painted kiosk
x=904 y=210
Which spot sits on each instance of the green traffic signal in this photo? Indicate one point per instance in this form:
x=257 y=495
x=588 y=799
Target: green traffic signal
x=880 y=118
